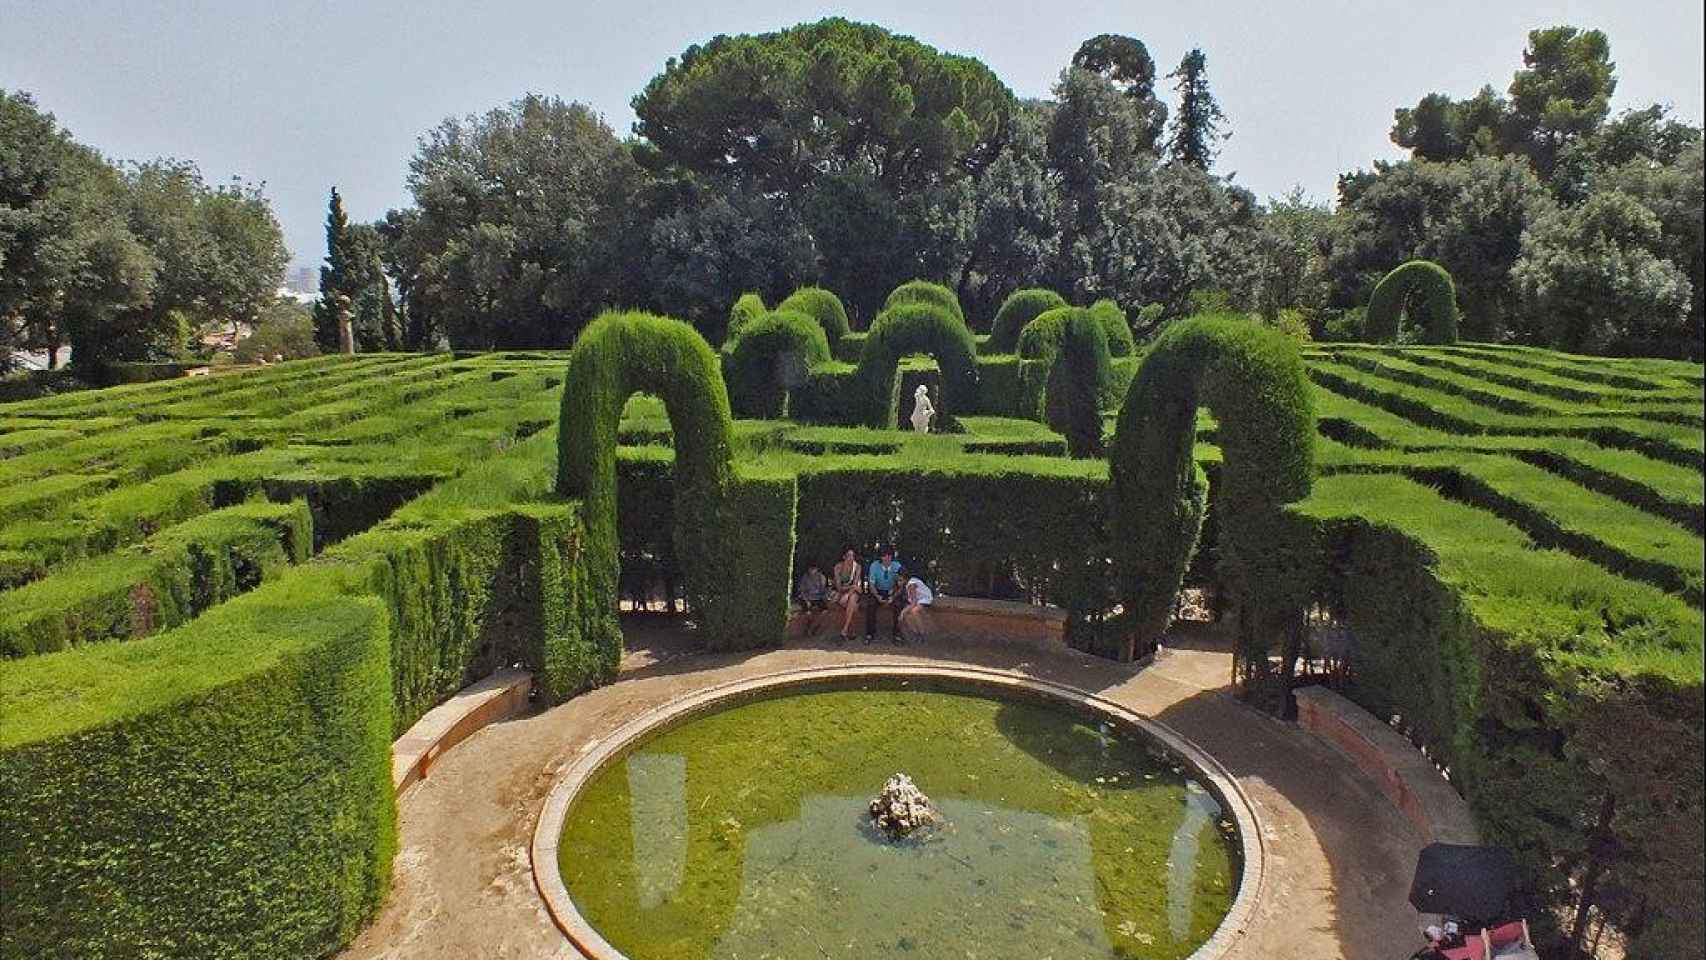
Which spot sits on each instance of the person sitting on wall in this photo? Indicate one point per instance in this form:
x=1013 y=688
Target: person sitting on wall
x=882 y=589
x=914 y=622
x=813 y=594
x=844 y=590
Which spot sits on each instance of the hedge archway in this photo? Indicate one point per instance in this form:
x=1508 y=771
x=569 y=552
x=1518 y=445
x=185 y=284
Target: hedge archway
x=824 y=307
x=1073 y=391
x=916 y=328
x=616 y=356
x=1018 y=310
x=924 y=291
x=1254 y=381
x=1425 y=288
x=769 y=357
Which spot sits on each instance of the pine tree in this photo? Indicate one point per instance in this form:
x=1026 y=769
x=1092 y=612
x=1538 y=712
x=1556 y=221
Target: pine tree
x=1197 y=127
x=338 y=276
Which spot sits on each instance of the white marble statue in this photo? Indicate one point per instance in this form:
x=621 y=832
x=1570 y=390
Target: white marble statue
x=922 y=411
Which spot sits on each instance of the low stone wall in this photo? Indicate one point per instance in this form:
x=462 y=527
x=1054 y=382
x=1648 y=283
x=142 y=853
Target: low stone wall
x=999 y=621
x=501 y=695
x=1407 y=778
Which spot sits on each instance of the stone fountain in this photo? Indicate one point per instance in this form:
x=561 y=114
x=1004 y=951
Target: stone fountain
x=900 y=809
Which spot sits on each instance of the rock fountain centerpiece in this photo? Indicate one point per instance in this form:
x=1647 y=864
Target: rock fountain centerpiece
x=900 y=809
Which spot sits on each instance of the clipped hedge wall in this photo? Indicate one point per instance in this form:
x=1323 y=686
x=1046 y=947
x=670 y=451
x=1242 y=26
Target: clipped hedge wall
x=824 y=307
x=1114 y=324
x=158 y=585
x=916 y=328
x=251 y=748
x=1424 y=290
x=925 y=292
x=747 y=308
x=618 y=355
x=1075 y=383
x=767 y=358
x=1254 y=382
x=1018 y=310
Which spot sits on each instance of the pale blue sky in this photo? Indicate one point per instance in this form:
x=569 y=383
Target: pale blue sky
x=303 y=95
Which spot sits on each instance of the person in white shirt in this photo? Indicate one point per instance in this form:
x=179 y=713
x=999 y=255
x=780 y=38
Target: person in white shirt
x=914 y=622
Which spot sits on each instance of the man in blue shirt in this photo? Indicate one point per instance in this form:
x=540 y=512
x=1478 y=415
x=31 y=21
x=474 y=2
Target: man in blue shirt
x=883 y=585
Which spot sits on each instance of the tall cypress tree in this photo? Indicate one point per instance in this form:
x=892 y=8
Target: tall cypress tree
x=338 y=276
x=1197 y=128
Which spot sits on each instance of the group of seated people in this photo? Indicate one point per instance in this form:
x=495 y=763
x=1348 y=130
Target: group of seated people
x=884 y=585
x=1507 y=941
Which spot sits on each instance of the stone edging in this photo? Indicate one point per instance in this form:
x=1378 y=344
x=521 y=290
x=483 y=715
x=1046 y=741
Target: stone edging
x=1402 y=773
x=548 y=831
x=502 y=694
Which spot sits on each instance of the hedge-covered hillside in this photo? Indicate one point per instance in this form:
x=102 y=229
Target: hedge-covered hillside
x=222 y=597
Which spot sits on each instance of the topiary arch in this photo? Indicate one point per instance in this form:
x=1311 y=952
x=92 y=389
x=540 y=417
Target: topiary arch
x=924 y=291
x=822 y=306
x=1422 y=287
x=1254 y=381
x=770 y=356
x=1019 y=309
x=1073 y=390
x=616 y=356
x=916 y=328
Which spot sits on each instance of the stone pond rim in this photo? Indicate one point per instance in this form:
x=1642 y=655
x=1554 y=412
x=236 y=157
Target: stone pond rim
x=548 y=831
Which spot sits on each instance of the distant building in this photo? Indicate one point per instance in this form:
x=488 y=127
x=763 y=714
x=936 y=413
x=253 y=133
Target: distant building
x=303 y=280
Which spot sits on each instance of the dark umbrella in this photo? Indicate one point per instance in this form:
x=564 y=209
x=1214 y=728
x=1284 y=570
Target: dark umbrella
x=1469 y=882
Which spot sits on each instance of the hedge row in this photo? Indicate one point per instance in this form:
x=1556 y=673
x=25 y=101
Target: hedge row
x=252 y=745
x=1017 y=311
x=160 y=584
x=823 y=307
x=916 y=326
x=1556 y=691
x=1075 y=383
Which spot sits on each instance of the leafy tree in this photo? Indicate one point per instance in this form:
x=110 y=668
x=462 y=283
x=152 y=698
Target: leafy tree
x=1289 y=243
x=1198 y=126
x=1015 y=223
x=338 y=286
x=68 y=261
x=1125 y=62
x=1648 y=137
x=1440 y=128
x=1560 y=96
x=782 y=109
x=1674 y=193
x=862 y=236
x=1469 y=217
x=521 y=215
x=1594 y=281
x=1562 y=93
x=714 y=246
x=220 y=251
x=284 y=330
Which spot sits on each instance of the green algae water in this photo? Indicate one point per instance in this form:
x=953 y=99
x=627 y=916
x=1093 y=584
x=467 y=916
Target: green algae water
x=744 y=835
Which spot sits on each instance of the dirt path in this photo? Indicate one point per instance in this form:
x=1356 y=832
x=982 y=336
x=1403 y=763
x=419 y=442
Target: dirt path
x=1339 y=855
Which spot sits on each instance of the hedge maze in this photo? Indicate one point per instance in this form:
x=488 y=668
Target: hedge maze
x=222 y=597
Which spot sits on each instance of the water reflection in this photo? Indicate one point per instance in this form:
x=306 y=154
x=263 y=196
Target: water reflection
x=1201 y=809
x=657 y=791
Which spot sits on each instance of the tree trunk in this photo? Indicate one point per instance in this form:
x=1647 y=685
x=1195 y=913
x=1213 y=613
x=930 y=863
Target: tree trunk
x=1590 y=877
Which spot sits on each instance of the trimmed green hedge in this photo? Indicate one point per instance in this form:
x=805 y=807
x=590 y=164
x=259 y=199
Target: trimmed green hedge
x=1253 y=380
x=822 y=306
x=222 y=790
x=1424 y=290
x=162 y=583
x=769 y=356
x=916 y=328
x=747 y=308
x=925 y=292
x=1114 y=324
x=1018 y=310
x=618 y=355
x=1075 y=383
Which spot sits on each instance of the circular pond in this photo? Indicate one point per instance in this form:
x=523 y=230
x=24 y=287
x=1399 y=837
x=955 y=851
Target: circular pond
x=737 y=826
